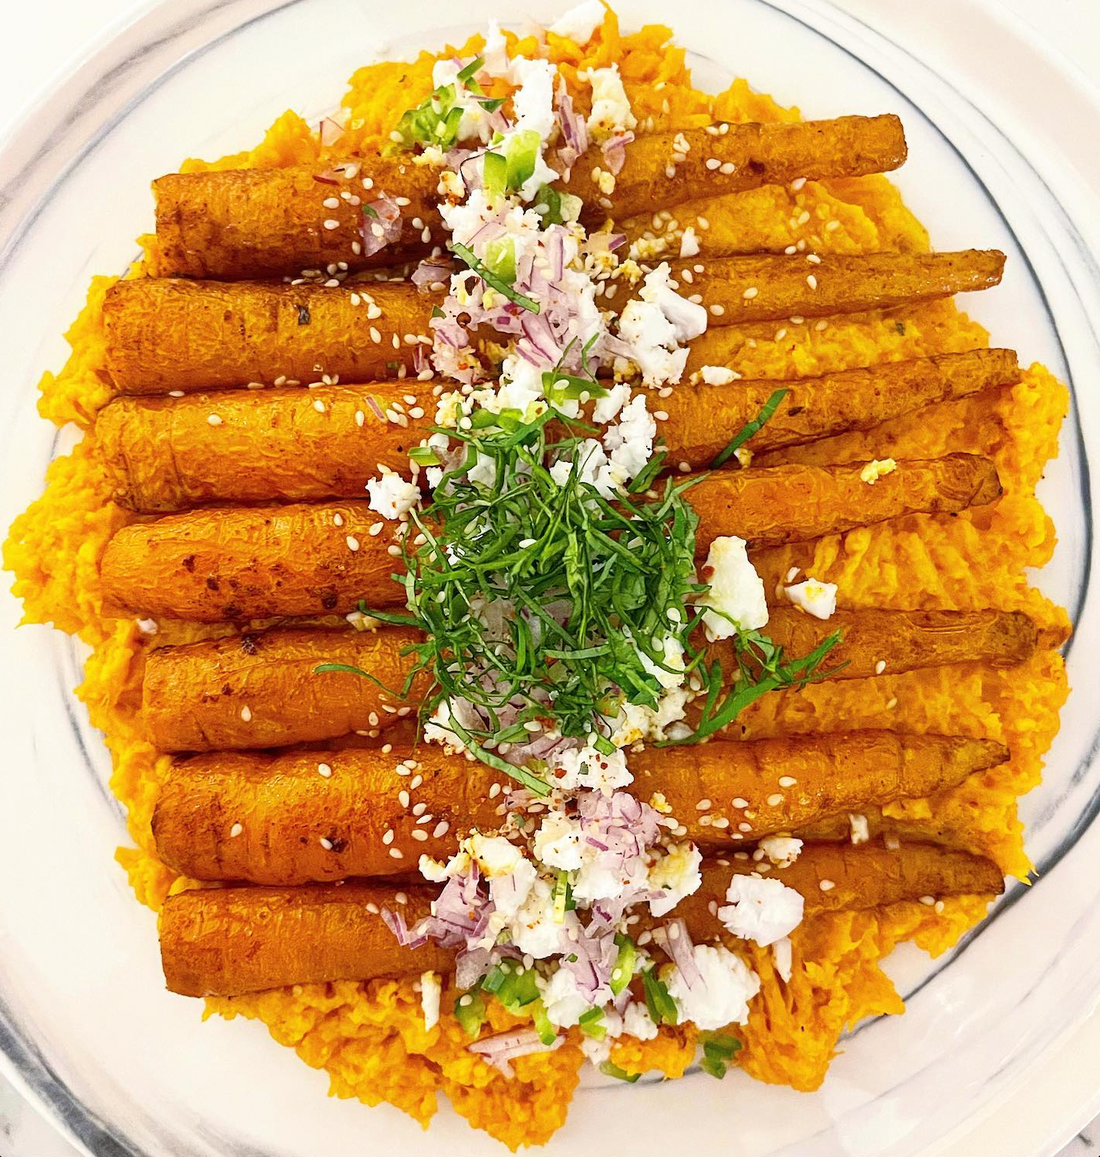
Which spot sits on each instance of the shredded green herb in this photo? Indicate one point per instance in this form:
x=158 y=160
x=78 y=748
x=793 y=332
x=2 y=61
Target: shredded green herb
x=491 y=279
x=749 y=429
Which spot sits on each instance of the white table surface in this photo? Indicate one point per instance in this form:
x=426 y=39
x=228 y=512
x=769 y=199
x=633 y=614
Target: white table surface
x=42 y=40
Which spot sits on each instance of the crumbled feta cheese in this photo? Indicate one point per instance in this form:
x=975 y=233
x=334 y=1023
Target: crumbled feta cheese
x=510 y=892
x=637 y=1022
x=673 y=657
x=534 y=929
x=815 y=598
x=494 y=855
x=626 y=449
x=450 y=408
x=433 y=870
x=430 y=992
x=782 y=851
x=717 y=375
x=580 y=22
x=495 y=52
x=475 y=122
x=610 y=104
x=877 y=469
x=597 y=1050
x=392 y=496
x=689 y=243
x=861 y=831
x=676 y=874
x=563 y=1001
x=579 y=768
x=655 y=325
x=736 y=591
x=438 y=728
x=611 y=403
x=781 y=957
x=761 y=909
x=557 y=843
x=721 y=996
x=633 y=721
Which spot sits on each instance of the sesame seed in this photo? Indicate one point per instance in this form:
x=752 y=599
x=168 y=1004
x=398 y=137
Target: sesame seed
x=826 y=885
x=739 y=802
x=372 y=908
x=246 y=713
x=813 y=259
x=332 y=202
x=787 y=781
x=403 y=798
x=928 y=900
x=775 y=799
x=416 y=781
x=360 y=417
x=397 y=854
x=326 y=844
x=660 y=415
x=797 y=183
x=494 y=791
x=387 y=836
x=332 y=223
x=811 y=281
x=939 y=907
x=880 y=666
x=744 y=827
x=214 y=420
x=750 y=293
x=419 y=834
x=353 y=542
x=393 y=551
x=236 y=830
x=713 y=163
x=726 y=168
x=717 y=310
x=821 y=325
x=703 y=805
x=375 y=529
x=892 y=703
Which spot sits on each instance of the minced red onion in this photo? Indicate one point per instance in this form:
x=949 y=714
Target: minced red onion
x=329 y=131
x=382 y=229
x=614 y=151
x=505 y=1046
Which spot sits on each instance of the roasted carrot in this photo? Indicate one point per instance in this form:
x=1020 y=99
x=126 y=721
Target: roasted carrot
x=296 y=445
x=167 y=335
x=317 y=816
x=238 y=223
x=263 y=689
x=876 y=642
x=227 y=941
x=767 y=287
x=194 y=694
x=778 y=504
x=253 y=562
x=234 y=224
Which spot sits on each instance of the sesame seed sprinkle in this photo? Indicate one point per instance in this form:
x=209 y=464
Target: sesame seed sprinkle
x=236 y=830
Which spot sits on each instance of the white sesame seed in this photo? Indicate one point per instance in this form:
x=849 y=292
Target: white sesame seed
x=787 y=781
x=826 y=885
x=811 y=281
x=928 y=900
x=750 y=293
x=703 y=805
x=246 y=713
x=717 y=310
x=726 y=168
x=353 y=542
x=419 y=834
x=775 y=799
x=214 y=420
x=713 y=163
x=387 y=836
x=397 y=854
x=880 y=666
x=236 y=830
x=744 y=827
x=737 y=801
x=403 y=798
x=375 y=529
x=332 y=223
x=326 y=843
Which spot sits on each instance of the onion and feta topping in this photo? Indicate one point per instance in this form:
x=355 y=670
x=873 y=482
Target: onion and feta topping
x=736 y=600
x=815 y=598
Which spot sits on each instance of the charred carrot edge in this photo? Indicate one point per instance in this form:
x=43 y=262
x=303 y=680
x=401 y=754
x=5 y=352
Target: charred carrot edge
x=261 y=690
x=226 y=941
x=289 y=444
x=288 y=220
x=317 y=816
x=301 y=560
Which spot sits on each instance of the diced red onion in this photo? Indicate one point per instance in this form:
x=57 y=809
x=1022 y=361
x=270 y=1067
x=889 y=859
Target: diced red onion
x=431 y=272
x=677 y=944
x=329 y=131
x=614 y=152
x=505 y=1046
x=387 y=222
x=372 y=402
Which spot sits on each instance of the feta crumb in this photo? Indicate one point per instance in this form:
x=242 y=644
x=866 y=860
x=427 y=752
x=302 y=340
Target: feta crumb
x=689 y=243
x=761 y=909
x=563 y=1001
x=677 y=875
x=610 y=104
x=815 y=598
x=580 y=22
x=392 y=496
x=861 y=831
x=534 y=929
x=722 y=994
x=509 y=893
x=717 y=375
x=781 y=850
x=637 y=1022
x=736 y=591
x=558 y=842
x=877 y=469
x=494 y=855
x=581 y=768
x=430 y=992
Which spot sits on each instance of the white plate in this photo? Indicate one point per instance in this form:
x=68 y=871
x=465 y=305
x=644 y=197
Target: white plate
x=83 y=1018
